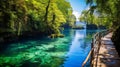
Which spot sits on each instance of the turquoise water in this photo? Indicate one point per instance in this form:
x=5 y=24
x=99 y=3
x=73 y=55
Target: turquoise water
x=69 y=51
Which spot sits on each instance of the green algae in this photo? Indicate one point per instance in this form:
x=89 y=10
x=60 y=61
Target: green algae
x=48 y=53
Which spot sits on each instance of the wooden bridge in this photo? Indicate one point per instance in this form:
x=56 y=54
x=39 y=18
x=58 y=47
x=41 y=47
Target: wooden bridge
x=103 y=52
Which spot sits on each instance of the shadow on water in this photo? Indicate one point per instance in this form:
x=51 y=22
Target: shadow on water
x=69 y=51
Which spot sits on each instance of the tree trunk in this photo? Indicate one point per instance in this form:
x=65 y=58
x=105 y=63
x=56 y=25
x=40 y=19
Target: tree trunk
x=46 y=17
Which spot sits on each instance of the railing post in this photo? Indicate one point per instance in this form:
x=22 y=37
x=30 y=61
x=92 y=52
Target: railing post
x=92 y=53
x=98 y=47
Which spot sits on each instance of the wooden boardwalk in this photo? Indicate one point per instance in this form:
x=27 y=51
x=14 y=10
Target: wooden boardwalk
x=107 y=56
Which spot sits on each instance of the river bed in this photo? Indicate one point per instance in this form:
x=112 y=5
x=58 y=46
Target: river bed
x=69 y=51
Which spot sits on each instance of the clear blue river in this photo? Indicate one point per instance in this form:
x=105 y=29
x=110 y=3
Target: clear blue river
x=69 y=51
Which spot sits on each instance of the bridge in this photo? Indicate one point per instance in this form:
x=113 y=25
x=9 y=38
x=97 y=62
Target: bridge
x=103 y=52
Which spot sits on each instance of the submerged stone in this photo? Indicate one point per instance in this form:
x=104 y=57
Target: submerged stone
x=56 y=36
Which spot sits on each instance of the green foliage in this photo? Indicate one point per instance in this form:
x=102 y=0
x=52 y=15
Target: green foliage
x=72 y=20
x=46 y=16
x=106 y=12
x=102 y=12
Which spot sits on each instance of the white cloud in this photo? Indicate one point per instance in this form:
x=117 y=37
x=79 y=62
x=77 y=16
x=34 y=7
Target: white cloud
x=77 y=14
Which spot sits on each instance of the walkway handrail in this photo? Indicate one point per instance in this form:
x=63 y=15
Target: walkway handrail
x=89 y=55
x=95 y=46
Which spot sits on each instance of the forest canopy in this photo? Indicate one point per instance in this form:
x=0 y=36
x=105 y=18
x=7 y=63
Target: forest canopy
x=44 y=16
x=102 y=12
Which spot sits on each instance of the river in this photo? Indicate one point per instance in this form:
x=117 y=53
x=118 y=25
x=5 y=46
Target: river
x=69 y=51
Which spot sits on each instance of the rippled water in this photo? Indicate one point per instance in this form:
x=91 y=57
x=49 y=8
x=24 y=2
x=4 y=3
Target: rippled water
x=69 y=51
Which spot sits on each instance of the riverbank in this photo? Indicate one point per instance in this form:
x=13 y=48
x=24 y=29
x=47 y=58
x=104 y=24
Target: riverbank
x=11 y=37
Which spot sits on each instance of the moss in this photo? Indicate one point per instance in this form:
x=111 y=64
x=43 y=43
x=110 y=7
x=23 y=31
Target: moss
x=56 y=36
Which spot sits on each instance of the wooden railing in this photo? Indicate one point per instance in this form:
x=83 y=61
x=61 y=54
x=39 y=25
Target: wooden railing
x=95 y=46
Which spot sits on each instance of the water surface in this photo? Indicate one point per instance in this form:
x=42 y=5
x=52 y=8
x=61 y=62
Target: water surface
x=69 y=51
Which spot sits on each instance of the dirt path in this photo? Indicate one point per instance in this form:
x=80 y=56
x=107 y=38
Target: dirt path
x=107 y=56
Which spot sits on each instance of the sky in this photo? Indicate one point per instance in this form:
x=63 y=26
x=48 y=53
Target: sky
x=78 y=6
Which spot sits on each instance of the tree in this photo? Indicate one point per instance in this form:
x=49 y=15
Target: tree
x=109 y=12
x=21 y=16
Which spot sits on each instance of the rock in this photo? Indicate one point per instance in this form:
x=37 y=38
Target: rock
x=91 y=26
x=56 y=36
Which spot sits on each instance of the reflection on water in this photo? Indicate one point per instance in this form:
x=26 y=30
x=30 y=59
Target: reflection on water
x=79 y=49
x=69 y=51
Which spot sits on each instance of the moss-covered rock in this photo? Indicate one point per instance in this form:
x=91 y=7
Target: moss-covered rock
x=56 y=36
